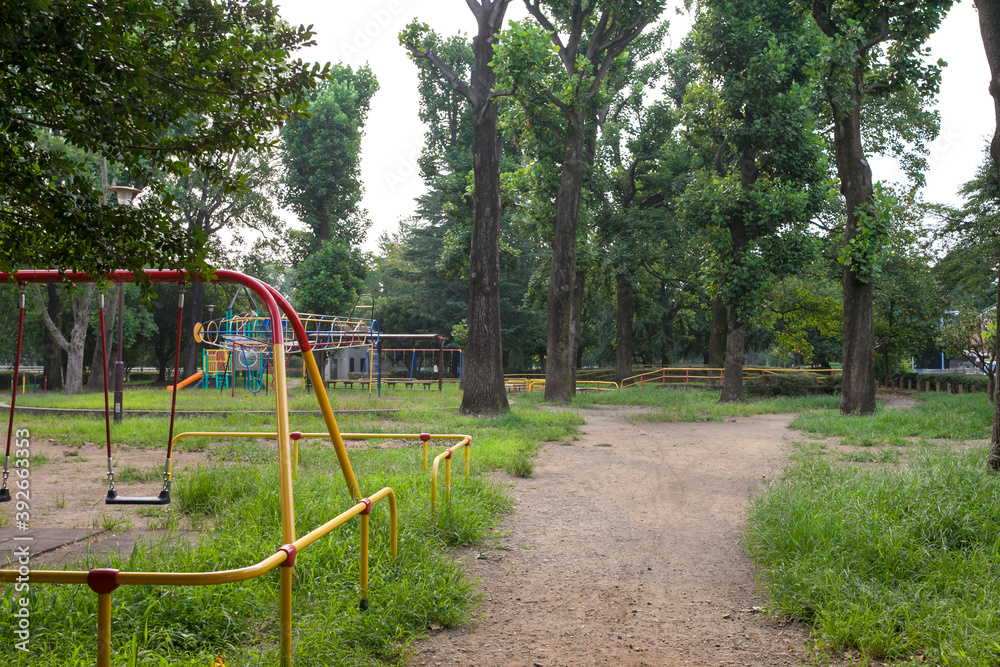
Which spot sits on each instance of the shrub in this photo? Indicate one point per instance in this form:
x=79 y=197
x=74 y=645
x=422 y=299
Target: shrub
x=782 y=384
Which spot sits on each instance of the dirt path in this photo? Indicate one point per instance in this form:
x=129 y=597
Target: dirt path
x=629 y=554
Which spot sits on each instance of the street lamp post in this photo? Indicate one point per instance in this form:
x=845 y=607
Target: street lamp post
x=125 y=196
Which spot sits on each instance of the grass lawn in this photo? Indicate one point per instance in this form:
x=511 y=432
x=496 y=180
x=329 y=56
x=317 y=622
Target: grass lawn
x=700 y=405
x=894 y=558
x=215 y=399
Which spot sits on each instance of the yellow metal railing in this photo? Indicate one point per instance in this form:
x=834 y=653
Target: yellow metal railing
x=701 y=375
x=581 y=385
x=463 y=441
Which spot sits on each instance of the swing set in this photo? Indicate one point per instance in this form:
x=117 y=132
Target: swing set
x=290 y=335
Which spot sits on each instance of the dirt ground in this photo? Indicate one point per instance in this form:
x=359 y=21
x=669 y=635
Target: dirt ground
x=625 y=548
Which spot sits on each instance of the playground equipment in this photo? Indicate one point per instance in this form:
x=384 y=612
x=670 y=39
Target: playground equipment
x=291 y=334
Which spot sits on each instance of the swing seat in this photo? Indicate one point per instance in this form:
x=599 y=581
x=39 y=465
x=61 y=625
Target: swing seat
x=4 y=495
x=114 y=499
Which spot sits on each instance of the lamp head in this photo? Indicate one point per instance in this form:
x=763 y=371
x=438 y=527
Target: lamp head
x=125 y=194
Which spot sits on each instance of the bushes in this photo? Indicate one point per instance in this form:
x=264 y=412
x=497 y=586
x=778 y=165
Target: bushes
x=783 y=384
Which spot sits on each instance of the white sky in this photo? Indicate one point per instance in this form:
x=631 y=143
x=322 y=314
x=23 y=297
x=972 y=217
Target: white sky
x=363 y=31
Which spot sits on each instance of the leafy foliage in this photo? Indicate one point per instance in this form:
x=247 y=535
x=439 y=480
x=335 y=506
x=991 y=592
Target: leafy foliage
x=329 y=280
x=166 y=87
x=322 y=156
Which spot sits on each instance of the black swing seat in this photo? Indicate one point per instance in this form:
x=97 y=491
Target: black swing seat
x=4 y=495
x=114 y=499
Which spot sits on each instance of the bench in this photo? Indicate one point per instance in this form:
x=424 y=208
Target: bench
x=392 y=382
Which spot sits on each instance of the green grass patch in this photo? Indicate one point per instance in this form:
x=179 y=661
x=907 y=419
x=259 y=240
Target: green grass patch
x=889 y=561
x=214 y=399
x=699 y=405
x=954 y=417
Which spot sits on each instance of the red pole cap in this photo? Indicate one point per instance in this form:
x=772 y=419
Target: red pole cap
x=291 y=552
x=295 y=435
x=447 y=454
x=102 y=580
x=425 y=436
x=368 y=506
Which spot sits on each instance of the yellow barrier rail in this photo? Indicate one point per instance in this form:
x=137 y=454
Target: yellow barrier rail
x=298 y=435
x=446 y=456
x=581 y=385
x=105 y=581
x=701 y=375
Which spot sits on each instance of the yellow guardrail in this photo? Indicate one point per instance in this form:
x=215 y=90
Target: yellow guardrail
x=105 y=581
x=464 y=441
x=581 y=385
x=698 y=375
x=446 y=456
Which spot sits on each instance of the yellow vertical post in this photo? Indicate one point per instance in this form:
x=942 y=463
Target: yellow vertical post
x=364 y=560
x=287 y=499
x=104 y=630
x=286 y=615
x=331 y=424
x=447 y=479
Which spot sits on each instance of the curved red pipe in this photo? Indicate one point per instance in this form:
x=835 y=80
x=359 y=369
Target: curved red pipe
x=293 y=318
x=261 y=289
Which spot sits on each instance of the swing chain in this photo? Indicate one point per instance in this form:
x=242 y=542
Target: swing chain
x=5 y=473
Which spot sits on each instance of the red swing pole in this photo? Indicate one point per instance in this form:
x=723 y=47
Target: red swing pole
x=173 y=398
x=4 y=491
x=107 y=411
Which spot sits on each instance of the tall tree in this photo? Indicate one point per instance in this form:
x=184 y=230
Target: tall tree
x=205 y=207
x=967 y=273
x=322 y=156
x=483 y=386
x=330 y=279
x=112 y=83
x=764 y=184
x=876 y=83
x=989 y=26
x=584 y=39
x=74 y=344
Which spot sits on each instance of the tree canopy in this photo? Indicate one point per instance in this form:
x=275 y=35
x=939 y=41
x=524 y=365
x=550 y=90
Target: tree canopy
x=165 y=88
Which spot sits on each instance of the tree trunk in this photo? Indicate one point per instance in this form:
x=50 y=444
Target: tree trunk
x=558 y=368
x=989 y=26
x=78 y=335
x=482 y=375
x=717 y=334
x=859 y=386
x=623 y=327
x=732 y=380
x=53 y=353
x=576 y=327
